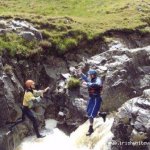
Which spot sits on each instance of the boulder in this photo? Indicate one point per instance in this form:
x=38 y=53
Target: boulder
x=28 y=35
x=37 y=33
x=23 y=28
x=3 y=24
x=131 y=124
x=127 y=75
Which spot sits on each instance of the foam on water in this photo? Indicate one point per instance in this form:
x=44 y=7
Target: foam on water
x=55 y=139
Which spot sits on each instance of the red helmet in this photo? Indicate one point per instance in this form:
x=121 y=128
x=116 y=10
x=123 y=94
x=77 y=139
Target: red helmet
x=28 y=83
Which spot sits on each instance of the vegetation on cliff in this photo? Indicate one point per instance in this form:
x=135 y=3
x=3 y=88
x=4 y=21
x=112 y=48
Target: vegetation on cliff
x=64 y=24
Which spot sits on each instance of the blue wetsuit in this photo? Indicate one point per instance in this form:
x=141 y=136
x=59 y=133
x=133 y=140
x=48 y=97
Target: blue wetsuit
x=94 y=88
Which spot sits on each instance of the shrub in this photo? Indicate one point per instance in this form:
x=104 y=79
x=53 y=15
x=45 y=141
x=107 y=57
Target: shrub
x=66 y=44
x=45 y=44
x=46 y=34
x=73 y=83
x=70 y=43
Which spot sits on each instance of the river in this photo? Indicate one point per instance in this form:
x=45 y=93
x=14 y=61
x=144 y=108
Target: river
x=56 y=139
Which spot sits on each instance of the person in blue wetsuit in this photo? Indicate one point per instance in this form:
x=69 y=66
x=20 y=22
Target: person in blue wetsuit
x=94 y=85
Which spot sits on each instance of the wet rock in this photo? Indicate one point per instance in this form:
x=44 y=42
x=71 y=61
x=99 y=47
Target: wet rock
x=124 y=72
x=131 y=124
x=54 y=67
x=123 y=79
x=23 y=28
x=3 y=24
x=11 y=84
x=116 y=45
x=3 y=31
x=37 y=34
x=4 y=110
x=66 y=75
x=28 y=36
x=72 y=70
x=146 y=94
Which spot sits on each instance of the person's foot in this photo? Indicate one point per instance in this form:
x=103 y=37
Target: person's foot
x=103 y=115
x=90 y=131
x=41 y=136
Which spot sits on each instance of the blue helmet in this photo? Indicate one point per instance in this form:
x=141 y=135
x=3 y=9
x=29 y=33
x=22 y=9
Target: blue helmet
x=92 y=72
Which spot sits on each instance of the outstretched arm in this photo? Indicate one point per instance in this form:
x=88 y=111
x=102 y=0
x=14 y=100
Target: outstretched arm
x=46 y=89
x=85 y=78
x=97 y=83
x=38 y=93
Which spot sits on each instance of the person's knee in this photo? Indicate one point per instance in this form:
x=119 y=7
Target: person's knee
x=33 y=119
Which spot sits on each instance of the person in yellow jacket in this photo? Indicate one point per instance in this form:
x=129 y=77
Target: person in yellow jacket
x=31 y=95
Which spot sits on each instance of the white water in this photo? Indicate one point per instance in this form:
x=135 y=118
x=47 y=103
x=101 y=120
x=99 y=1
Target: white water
x=55 y=139
x=99 y=140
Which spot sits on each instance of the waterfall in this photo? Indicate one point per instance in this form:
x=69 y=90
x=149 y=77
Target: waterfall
x=99 y=140
x=56 y=139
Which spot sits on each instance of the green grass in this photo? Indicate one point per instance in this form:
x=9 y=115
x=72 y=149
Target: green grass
x=78 y=20
x=104 y=14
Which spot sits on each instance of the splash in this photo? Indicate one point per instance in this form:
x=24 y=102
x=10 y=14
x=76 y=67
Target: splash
x=55 y=139
x=99 y=140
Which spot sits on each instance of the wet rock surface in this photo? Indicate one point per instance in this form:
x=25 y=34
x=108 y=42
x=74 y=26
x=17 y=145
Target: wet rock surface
x=124 y=72
x=22 y=28
x=127 y=75
x=131 y=125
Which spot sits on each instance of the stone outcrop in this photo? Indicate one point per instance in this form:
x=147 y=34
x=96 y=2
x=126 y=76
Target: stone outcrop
x=131 y=127
x=22 y=28
x=13 y=73
x=125 y=72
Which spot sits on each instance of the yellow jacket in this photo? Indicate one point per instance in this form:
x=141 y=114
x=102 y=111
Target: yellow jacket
x=30 y=96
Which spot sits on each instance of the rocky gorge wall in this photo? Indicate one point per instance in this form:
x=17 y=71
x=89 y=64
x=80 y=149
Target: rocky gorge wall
x=131 y=127
x=124 y=68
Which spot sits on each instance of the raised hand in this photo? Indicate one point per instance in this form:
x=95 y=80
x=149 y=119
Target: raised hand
x=45 y=90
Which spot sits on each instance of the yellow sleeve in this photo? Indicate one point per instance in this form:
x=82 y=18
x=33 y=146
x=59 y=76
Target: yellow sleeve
x=28 y=96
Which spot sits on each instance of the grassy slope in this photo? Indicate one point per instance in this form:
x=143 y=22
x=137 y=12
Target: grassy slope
x=90 y=17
